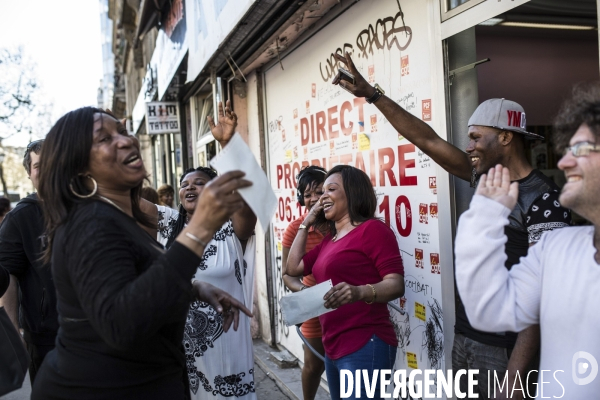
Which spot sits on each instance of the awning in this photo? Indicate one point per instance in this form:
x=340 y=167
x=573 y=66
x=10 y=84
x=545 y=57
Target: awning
x=149 y=16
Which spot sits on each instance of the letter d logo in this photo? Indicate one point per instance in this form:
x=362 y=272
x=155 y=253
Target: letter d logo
x=580 y=367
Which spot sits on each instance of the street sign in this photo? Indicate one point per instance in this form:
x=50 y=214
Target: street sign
x=162 y=117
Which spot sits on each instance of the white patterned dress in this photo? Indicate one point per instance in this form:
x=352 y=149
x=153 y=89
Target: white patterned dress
x=219 y=365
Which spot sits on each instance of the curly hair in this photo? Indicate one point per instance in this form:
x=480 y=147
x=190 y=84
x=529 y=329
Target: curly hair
x=309 y=177
x=583 y=108
x=211 y=173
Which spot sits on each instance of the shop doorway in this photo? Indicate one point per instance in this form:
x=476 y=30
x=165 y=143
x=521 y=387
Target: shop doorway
x=537 y=52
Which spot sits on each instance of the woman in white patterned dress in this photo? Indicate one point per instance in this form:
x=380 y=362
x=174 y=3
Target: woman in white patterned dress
x=219 y=364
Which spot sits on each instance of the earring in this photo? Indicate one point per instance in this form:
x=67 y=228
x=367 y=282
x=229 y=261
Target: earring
x=87 y=196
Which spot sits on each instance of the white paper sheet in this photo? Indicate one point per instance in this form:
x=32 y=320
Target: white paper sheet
x=305 y=304
x=260 y=197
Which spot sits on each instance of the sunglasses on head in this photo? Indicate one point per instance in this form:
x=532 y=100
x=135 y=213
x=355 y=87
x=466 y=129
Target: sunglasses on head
x=31 y=145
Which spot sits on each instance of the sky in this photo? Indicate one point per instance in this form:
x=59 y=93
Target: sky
x=63 y=39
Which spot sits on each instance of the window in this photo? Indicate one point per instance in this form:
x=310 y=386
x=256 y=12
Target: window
x=452 y=4
x=204 y=109
x=450 y=8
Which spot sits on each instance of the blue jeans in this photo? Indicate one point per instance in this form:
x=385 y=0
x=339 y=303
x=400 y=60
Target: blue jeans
x=374 y=355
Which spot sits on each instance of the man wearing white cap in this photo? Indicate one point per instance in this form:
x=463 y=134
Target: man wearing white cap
x=497 y=136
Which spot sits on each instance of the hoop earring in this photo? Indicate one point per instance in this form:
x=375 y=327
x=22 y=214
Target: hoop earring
x=87 y=196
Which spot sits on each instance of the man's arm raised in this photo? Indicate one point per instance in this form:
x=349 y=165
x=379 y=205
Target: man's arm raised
x=449 y=157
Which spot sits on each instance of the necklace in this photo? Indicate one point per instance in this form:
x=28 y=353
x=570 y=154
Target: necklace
x=112 y=203
x=336 y=236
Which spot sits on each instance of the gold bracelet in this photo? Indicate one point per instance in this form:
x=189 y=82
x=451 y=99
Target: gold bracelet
x=196 y=239
x=374 y=294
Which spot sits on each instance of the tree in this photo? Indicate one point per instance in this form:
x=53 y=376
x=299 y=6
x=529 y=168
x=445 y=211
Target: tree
x=22 y=107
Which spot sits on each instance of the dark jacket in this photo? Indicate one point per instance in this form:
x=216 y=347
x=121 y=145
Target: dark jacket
x=22 y=242
x=4 y=281
x=123 y=303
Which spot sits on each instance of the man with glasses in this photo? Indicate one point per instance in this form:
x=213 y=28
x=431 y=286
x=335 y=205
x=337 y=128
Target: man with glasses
x=558 y=284
x=497 y=133
x=22 y=242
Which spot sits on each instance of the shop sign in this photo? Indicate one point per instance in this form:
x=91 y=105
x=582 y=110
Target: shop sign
x=145 y=95
x=162 y=117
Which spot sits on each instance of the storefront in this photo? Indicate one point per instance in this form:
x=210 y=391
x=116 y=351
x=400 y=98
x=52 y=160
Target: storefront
x=165 y=74
x=430 y=57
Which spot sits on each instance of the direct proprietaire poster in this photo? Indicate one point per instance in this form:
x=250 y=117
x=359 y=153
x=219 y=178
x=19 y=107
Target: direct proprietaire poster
x=312 y=122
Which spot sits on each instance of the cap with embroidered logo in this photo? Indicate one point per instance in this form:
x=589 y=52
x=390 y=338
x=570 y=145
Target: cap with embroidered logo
x=502 y=114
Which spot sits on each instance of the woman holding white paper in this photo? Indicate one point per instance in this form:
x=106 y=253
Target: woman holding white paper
x=219 y=364
x=361 y=257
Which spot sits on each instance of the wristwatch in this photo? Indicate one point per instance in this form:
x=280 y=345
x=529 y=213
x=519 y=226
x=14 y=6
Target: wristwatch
x=302 y=226
x=378 y=93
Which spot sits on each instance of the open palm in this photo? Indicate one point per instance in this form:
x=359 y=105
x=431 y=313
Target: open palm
x=496 y=186
x=225 y=128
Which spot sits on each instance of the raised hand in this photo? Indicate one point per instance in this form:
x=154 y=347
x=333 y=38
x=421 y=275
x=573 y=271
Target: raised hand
x=225 y=128
x=361 y=87
x=312 y=215
x=222 y=302
x=496 y=186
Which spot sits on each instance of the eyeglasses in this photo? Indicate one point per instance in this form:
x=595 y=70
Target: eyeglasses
x=31 y=146
x=581 y=149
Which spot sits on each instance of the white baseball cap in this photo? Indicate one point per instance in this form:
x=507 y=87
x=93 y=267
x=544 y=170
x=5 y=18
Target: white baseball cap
x=502 y=114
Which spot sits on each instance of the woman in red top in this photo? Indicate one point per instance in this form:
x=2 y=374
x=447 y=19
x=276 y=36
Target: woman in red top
x=362 y=258
x=310 y=188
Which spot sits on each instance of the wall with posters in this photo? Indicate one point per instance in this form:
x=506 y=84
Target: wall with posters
x=311 y=121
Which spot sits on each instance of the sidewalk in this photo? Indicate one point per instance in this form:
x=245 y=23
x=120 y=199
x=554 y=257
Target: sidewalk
x=22 y=394
x=289 y=380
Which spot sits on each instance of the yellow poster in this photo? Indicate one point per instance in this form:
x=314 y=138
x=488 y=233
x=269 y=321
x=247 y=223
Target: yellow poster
x=279 y=247
x=420 y=311
x=288 y=156
x=412 y=360
x=364 y=143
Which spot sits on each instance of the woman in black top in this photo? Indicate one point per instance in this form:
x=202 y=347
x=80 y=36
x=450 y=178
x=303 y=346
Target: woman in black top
x=122 y=300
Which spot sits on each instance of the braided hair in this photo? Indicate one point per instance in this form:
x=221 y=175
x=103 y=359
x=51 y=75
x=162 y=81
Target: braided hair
x=180 y=223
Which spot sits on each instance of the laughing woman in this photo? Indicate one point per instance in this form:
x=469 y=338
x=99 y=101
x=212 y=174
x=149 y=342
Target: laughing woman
x=219 y=365
x=122 y=300
x=362 y=258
